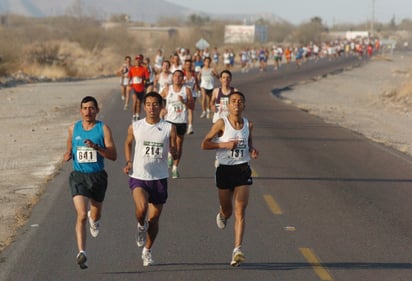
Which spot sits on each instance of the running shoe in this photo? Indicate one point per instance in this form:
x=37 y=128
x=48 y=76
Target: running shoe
x=220 y=221
x=203 y=115
x=190 y=130
x=208 y=115
x=81 y=259
x=169 y=160
x=125 y=107
x=135 y=118
x=141 y=235
x=94 y=225
x=147 y=258
x=122 y=97
x=237 y=257
x=175 y=173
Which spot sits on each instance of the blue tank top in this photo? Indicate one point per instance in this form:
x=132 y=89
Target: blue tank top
x=87 y=159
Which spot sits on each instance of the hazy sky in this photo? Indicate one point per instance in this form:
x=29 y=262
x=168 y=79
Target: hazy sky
x=298 y=11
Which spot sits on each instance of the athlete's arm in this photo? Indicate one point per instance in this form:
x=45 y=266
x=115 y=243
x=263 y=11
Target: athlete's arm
x=254 y=153
x=128 y=150
x=217 y=130
x=109 y=151
x=68 y=154
x=172 y=143
x=213 y=99
x=190 y=101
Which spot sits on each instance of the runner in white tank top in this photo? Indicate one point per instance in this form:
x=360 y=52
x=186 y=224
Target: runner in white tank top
x=233 y=176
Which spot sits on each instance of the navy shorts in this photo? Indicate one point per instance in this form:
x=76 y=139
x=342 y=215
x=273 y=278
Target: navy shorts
x=91 y=185
x=157 y=189
x=181 y=128
x=231 y=176
x=139 y=95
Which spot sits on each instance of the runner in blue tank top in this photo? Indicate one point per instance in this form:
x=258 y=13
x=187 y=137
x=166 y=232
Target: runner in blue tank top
x=89 y=142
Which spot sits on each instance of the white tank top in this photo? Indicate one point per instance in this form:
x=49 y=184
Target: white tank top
x=176 y=110
x=164 y=81
x=207 y=79
x=240 y=154
x=190 y=83
x=151 y=149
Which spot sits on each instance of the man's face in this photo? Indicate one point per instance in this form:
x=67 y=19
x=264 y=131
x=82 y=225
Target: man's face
x=177 y=78
x=225 y=79
x=152 y=107
x=236 y=103
x=88 y=111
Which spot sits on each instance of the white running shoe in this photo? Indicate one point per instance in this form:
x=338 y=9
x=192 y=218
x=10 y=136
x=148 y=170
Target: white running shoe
x=220 y=221
x=175 y=173
x=189 y=130
x=147 y=258
x=125 y=107
x=141 y=235
x=81 y=259
x=203 y=115
x=208 y=114
x=237 y=257
x=169 y=160
x=94 y=225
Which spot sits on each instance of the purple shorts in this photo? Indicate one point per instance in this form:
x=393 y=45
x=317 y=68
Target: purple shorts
x=157 y=189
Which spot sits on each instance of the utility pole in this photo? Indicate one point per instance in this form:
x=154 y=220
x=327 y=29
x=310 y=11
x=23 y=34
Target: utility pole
x=372 y=18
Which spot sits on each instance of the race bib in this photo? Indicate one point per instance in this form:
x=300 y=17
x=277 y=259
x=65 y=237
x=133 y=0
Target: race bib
x=137 y=80
x=153 y=149
x=86 y=154
x=239 y=151
x=178 y=107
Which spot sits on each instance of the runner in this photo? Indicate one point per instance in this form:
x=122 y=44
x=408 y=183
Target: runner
x=123 y=72
x=206 y=78
x=190 y=80
x=220 y=96
x=89 y=142
x=148 y=171
x=178 y=100
x=138 y=74
x=231 y=137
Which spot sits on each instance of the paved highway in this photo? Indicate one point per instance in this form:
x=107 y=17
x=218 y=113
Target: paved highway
x=326 y=204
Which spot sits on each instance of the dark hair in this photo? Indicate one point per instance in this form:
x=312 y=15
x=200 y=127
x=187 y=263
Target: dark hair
x=178 y=70
x=237 y=93
x=89 y=99
x=227 y=72
x=153 y=95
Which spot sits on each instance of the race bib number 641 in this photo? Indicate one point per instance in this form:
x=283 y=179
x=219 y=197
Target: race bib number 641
x=86 y=154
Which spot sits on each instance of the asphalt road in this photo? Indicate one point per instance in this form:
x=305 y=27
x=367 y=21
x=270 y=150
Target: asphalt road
x=326 y=204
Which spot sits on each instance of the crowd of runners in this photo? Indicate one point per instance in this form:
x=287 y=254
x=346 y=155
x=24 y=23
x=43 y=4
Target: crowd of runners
x=168 y=91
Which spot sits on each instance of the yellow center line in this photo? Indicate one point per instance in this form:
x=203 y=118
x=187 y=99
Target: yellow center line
x=254 y=173
x=316 y=265
x=272 y=204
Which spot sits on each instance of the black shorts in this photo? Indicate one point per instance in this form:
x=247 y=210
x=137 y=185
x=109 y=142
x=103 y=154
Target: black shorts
x=231 y=176
x=181 y=128
x=208 y=92
x=91 y=185
x=139 y=95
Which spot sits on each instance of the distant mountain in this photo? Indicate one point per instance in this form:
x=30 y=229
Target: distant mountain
x=137 y=10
